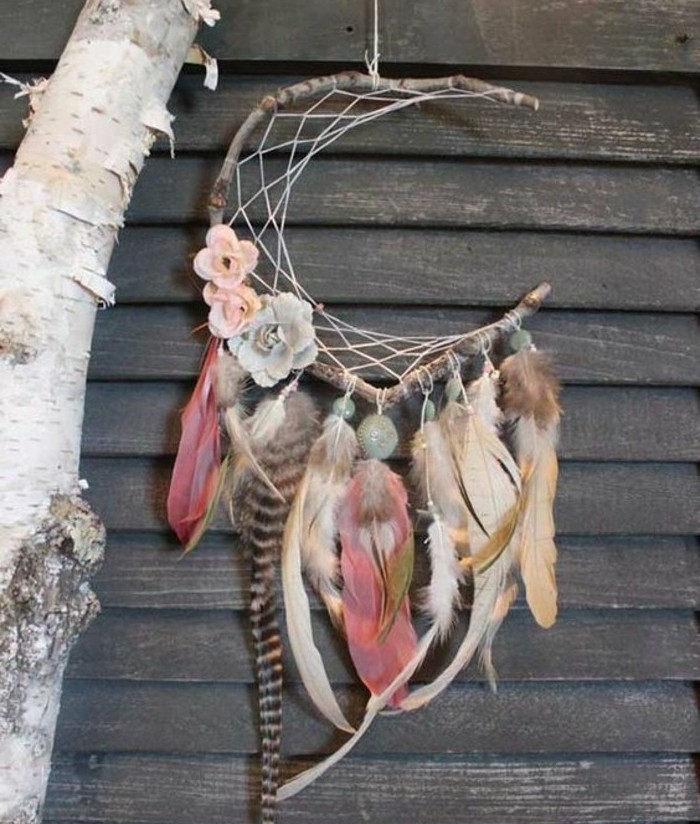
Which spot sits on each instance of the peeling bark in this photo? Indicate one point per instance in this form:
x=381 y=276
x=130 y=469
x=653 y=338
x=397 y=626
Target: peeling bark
x=61 y=206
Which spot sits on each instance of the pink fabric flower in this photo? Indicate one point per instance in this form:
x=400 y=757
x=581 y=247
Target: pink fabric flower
x=225 y=260
x=231 y=309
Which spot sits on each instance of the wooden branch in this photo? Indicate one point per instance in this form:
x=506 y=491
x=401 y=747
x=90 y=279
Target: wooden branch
x=355 y=81
x=439 y=367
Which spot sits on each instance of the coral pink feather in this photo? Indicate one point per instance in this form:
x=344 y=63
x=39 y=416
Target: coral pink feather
x=198 y=458
x=376 y=564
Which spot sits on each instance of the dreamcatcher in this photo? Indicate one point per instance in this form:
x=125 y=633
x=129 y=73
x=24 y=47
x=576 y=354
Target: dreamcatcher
x=319 y=494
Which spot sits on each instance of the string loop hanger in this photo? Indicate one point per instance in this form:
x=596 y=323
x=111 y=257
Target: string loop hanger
x=373 y=62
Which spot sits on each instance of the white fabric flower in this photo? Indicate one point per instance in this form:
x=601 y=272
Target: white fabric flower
x=280 y=338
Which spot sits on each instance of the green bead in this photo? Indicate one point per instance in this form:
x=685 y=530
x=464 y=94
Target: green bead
x=521 y=339
x=429 y=410
x=453 y=389
x=344 y=407
x=377 y=436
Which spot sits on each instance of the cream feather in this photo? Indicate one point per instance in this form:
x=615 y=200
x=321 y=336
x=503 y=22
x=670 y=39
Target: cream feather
x=310 y=539
x=490 y=484
x=328 y=472
x=531 y=402
x=441 y=596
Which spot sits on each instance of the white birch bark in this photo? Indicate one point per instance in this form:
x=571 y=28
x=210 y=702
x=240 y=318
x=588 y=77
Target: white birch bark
x=61 y=206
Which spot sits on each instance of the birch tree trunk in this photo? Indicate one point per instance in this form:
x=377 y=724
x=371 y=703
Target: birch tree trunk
x=61 y=206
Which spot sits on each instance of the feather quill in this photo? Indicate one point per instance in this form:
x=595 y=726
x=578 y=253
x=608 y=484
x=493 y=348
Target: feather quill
x=531 y=403
x=310 y=538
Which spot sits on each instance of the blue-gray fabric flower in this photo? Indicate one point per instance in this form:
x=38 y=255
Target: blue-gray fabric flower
x=279 y=338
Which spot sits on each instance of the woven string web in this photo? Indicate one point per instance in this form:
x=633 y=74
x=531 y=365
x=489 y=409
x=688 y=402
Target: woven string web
x=262 y=189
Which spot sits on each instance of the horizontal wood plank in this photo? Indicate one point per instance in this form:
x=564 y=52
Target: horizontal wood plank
x=174 y=645
x=613 y=423
x=592 y=499
x=135 y=789
x=417 y=266
x=99 y=716
x=575 y=121
x=453 y=193
x=605 y=34
x=146 y=570
x=147 y=343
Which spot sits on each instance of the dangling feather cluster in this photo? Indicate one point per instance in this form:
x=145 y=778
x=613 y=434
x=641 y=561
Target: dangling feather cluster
x=486 y=471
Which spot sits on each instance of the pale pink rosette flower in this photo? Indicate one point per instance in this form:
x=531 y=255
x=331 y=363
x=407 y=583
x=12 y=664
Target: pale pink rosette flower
x=231 y=309
x=225 y=260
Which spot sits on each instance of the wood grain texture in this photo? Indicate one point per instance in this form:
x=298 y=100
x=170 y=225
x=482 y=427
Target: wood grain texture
x=575 y=121
x=145 y=570
x=592 y=499
x=145 y=343
x=203 y=646
x=137 y=789
x=602 y=424
x=605 y=34
x=466 y=267
x=99 y=716
x=454 y=193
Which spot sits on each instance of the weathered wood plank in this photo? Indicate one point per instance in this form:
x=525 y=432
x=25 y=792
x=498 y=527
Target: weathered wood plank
x=456 y=267
x=614 y=423
x=100 y=716
x=146 y=343
x=583 y=122
x=186 y=645
x=605 y=34
x=592 y=499
x=629 y=572
x=221 y=790
x=453 y=193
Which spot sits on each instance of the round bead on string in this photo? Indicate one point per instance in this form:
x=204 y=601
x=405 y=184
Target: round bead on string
x=520 y=339
x=453 y=389
x=344 y=407
x=377 y=436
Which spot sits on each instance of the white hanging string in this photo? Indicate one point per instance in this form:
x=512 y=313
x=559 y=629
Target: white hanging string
x=373 y=64
x=358 y=351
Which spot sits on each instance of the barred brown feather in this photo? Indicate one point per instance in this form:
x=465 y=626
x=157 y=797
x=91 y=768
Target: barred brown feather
x=261 y=516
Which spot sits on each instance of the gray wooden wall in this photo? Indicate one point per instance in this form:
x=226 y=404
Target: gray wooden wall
x=595 y=720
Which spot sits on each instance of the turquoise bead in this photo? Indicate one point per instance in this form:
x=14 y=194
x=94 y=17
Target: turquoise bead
x=377 y=437
x=521 y=339
x=453 y=389
x=344 y=408
x=429 y=411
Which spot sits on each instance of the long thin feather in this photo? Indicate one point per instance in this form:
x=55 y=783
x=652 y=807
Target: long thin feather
x=374 y=706
x=531 y=402
x=310 y=536
x=441 y=597
x=196 y=469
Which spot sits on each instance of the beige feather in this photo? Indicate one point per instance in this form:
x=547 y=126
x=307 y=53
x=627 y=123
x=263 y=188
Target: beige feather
x=310 y=539
x=490 y=483
x=531 y=402
x=441 y=597
x=328 y=472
